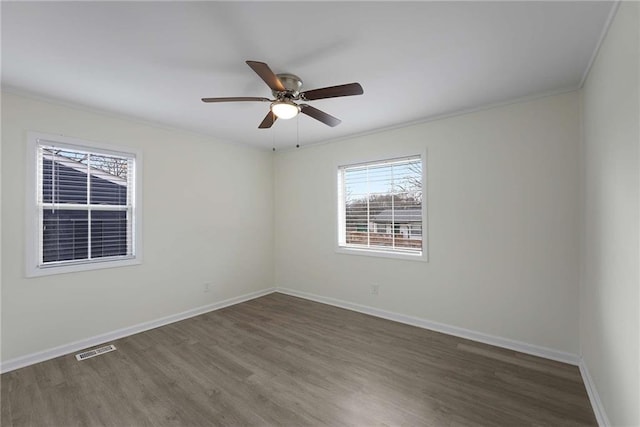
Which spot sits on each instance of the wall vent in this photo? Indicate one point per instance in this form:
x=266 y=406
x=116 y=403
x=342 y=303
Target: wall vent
x=95 y=352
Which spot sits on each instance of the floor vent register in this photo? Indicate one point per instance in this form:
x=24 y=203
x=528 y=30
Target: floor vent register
x=95 y=352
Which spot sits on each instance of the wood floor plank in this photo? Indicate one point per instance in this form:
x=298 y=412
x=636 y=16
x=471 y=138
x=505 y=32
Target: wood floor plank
x=285 y=361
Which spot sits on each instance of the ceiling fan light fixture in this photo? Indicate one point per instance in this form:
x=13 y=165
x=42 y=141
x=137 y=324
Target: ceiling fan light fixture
x=285 y=109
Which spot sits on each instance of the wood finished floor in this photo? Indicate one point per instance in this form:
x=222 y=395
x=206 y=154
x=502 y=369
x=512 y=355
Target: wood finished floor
x=280 y=360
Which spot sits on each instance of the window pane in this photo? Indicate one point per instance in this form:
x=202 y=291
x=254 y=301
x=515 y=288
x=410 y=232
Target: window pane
x=383 y=205
x=64 y=177
x=64 y=235
x=86 y=199
x=109 y=232
x=109 y=180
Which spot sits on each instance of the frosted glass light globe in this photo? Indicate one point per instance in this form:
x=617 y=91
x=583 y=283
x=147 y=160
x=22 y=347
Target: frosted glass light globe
x=285 y=109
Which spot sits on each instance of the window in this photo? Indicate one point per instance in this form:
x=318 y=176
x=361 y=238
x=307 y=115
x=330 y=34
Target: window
x=83 y=201
x=380 y=208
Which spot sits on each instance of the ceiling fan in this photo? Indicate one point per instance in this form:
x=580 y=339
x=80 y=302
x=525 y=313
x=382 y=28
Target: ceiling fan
x=286 y=90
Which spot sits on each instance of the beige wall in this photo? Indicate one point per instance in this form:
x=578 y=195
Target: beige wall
x=203 y=202
x=516 y=250
x=503 y=237
x=610 y=307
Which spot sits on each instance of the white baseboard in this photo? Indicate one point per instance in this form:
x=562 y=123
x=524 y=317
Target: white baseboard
x=522 y=347
x=594 y=397
x=75 y=346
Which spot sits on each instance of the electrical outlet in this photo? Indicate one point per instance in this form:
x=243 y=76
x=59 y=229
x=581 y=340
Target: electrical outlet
x=206 y=287
x=375 y=289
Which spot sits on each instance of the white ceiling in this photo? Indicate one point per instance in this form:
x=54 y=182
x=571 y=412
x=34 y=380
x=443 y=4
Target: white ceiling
x=415 y=60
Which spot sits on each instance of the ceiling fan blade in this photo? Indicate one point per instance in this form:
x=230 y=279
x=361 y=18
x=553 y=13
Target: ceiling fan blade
x=236 y=99
x=267 y=75
x=325 y=118
x=268 y=120
x=333 y=92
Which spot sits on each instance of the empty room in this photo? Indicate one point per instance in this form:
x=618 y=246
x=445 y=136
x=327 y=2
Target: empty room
x=320 y=213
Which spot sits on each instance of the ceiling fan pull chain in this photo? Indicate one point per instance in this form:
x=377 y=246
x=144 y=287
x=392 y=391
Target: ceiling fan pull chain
x=298 y=132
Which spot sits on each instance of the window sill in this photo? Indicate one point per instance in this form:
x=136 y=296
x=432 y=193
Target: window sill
x=346 y=250
x=85 y=266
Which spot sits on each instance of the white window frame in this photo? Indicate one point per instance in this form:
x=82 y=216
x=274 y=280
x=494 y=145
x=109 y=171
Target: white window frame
x=33 y=241
x=340 y=246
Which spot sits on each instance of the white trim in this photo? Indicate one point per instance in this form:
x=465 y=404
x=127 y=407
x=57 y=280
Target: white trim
x=547 y=353
x=594 y=397
x=603 y=35
x=83 y=265
x=32 y=250
x=432 y=118
x=41 y=356
x=120 y=116
x=348 y=250
x=338 y=206
x=437 y=117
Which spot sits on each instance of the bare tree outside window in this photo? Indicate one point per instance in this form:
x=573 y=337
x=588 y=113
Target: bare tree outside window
x=116 y=166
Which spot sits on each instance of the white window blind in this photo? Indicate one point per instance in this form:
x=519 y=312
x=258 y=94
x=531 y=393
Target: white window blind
x=86 y=205
x=381 y=206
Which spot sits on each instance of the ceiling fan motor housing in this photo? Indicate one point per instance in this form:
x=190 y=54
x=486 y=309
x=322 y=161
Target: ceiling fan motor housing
x=292 y=85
